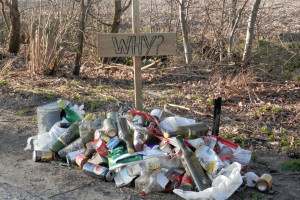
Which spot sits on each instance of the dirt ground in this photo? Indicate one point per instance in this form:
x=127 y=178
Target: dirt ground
x=21 y=178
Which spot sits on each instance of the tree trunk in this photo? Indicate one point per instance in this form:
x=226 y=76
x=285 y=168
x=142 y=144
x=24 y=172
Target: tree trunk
x=234 y=22
x=115 y=25
x=250 y=32
x=80 y=36
x=14 y=35
x=186 y=43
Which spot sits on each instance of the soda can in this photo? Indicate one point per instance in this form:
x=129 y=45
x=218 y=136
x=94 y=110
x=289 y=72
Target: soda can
x=81 y=160
x=101 y=148
x=42 y=156
x=264 y=182
x=186 y=183
x=98 y=171
x=113 y=143
x=71 y=157
x=110 y=127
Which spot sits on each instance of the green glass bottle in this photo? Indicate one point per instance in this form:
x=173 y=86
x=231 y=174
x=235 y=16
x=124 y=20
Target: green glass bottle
x=125 y=135
x=190 y=131
x=71 y=134
x=71 y=115
x=192 y=166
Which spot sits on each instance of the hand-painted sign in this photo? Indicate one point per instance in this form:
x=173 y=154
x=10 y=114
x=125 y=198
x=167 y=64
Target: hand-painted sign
x=136 y=44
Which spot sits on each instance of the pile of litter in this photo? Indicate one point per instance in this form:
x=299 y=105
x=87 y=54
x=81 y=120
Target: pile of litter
x=158 y=153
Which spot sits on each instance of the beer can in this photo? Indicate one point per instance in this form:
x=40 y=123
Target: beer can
x=113 y=143
x=81 y=160
x=42 y=156
x=264 y=182
x=101 y=148
x=71 y=157
x=98 y=171
x=110 y=127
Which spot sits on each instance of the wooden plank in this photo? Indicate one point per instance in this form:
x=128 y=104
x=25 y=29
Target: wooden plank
x=136 y=44
x=137 y=60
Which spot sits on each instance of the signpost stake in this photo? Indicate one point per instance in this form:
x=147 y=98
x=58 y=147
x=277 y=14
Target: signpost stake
x=137 y=61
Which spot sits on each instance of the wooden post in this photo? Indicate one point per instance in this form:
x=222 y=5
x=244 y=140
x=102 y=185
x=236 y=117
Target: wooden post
x=137 y=61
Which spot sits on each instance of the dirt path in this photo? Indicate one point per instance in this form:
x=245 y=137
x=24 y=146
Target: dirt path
x=21 y=178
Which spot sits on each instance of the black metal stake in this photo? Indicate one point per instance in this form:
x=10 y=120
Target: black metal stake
x=217 y=115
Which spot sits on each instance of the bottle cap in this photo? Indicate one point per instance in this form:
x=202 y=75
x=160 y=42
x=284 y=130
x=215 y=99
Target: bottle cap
x=61 y=104
x=143 y=193
x=130 y=151
x=166 y=134
x=88 y=117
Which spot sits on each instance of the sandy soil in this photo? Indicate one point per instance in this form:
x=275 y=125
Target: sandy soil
x=21 y=178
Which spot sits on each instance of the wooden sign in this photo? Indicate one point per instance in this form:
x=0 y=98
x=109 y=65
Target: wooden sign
x=136 y=44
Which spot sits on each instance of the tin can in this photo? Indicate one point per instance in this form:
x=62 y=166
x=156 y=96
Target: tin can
x=101 y=148
x=42 y=156
x=71 y=157
x=98 y=171
x=113 y=143
x=100 y=135
x=264 y=182
x=186 y=183
x=81 y=160
x=110 y=127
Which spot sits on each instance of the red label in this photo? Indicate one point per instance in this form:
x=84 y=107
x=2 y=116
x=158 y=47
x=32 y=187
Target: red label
x=101 y=148
x=186 y=180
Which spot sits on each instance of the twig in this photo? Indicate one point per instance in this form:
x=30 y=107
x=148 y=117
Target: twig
x=187 y=75
x=72 y=189
x=150 y=65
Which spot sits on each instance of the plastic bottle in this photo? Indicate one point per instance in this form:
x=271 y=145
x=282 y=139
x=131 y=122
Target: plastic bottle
x=147 y=164
x=124 y=134
x=158 y=182
x=193 y=166
x=71 y=115
x=188 y=131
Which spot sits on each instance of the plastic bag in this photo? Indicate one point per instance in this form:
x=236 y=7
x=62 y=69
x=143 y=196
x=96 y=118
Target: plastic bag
x=223 y=186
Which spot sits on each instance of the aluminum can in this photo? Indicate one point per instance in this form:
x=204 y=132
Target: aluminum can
x=71 y=157
x=81 y=160
x=42 y=156
x=98 y=171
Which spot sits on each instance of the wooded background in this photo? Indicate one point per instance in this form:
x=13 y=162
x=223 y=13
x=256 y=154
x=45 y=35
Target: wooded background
x=239 y=33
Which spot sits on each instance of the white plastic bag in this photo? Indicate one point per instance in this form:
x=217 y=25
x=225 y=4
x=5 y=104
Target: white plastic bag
x=223 y=186
x=251 y=178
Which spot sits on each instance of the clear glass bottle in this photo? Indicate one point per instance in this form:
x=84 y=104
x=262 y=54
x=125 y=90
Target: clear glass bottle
x=125 y=135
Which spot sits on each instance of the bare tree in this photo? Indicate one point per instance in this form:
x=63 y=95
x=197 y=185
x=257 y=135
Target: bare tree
x=250 y=32
x=80 y=35
x=14 y=28
x=234 y=23
x=183 y=13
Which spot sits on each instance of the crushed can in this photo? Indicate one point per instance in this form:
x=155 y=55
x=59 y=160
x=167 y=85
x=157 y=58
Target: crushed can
x=98 y=159
x=98 y=171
